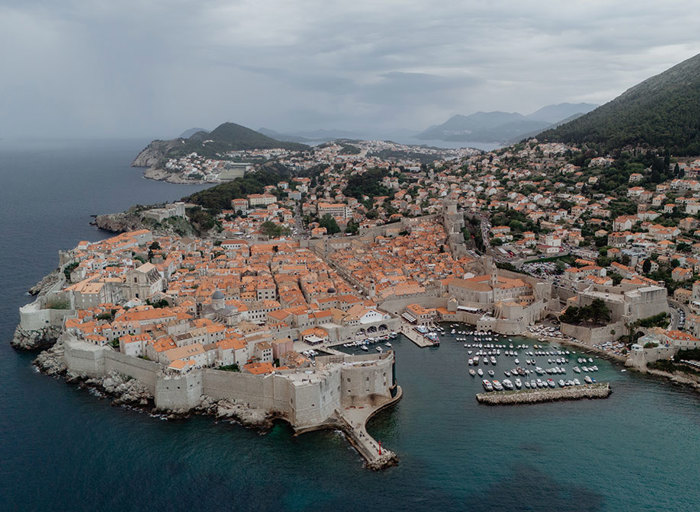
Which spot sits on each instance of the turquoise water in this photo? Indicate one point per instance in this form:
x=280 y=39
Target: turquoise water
x=66 y=449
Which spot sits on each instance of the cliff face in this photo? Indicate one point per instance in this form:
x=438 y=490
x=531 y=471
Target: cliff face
x=119 y=222
x=152 y=155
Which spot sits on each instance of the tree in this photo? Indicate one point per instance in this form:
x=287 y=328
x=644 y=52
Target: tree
x=330 y=224
x=599 y=312
x=270 y=229
x=683 y=247
x=352 y=228
x=646 y=266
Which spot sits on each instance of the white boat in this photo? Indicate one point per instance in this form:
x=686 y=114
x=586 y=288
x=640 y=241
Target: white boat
x=587 y=379
x=380 y=349
x=480 y=372
x=472 y=372
x=487 y=385
x=518 y=383
x=388 y=344
x=364 y=347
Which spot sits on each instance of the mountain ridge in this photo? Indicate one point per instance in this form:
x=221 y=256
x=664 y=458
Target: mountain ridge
x=662 y=111
x=498 y=126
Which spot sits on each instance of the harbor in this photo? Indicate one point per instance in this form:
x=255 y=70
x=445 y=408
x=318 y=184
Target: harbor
x=532 y=396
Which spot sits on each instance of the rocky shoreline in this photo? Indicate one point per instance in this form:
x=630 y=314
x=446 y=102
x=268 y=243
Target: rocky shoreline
x=677 y=378
x=153 y=173
x=35 y=340
x=129 y=392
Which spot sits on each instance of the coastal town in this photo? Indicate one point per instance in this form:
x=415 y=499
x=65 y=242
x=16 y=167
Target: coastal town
x=227 y=165
x=266 y=309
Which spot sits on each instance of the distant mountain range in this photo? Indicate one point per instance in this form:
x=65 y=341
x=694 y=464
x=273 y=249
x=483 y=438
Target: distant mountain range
x=661 y=112
x=225 y=137
x=311 y=136
x=503 y=127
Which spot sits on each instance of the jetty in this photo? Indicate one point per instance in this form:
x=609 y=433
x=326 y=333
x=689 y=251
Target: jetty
x=533 y=396
x=352 y=421
x=354 y=424
x=415 y=336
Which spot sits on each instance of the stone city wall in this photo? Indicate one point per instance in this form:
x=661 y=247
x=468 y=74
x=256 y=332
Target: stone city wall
x=32 y=317
x=593 y=335
x=304 y=398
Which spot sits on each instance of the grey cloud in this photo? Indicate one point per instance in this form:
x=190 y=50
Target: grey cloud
x=153 y=68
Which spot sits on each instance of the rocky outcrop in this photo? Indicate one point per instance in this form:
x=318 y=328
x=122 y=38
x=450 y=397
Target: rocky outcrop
x=46 y=283
x=124 y=390
x=153 y=154
x=35 y=340
x=133 y=219
x=236 y=411
x=51 y=361
x=532 y=396
x=119 y=222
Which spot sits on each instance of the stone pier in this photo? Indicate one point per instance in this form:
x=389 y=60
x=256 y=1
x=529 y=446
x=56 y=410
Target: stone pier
x=415 y=336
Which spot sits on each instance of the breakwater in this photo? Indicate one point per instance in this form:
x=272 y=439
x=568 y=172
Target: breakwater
x=533 y=396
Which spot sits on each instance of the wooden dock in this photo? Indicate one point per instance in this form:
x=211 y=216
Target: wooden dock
x=533 y=396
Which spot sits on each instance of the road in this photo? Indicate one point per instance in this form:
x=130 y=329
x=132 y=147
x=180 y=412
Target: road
x=485 y=227
x=677 y=320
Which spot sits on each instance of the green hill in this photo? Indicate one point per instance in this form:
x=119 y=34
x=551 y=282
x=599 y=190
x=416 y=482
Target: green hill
x=661 y=112
x=225 y=137
x=233 y=137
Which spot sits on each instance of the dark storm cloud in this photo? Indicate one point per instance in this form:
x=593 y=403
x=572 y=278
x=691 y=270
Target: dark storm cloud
x=157 y=67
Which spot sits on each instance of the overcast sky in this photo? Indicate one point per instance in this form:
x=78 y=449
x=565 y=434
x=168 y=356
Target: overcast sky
x=155 y=68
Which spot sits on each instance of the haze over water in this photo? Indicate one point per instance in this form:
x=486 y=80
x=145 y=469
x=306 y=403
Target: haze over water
x=65 y=449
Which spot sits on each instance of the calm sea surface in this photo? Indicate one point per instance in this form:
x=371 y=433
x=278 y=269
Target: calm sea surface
x=64 y=449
